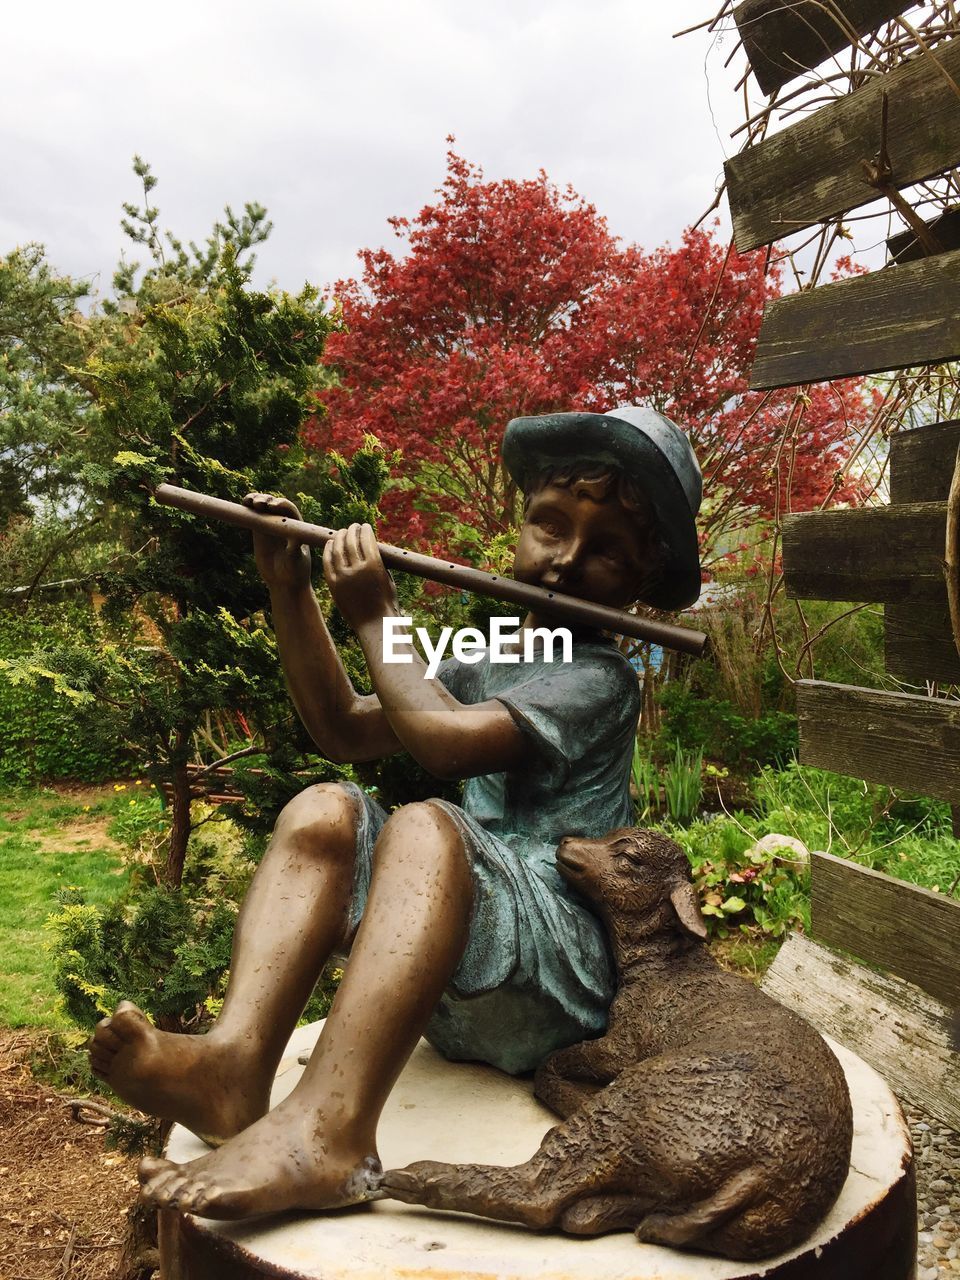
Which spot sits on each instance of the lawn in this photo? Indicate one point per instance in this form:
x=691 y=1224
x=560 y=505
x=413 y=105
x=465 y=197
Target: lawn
x=49 y=840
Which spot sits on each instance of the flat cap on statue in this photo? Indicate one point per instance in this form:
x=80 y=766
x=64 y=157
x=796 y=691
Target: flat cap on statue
x=647 y=447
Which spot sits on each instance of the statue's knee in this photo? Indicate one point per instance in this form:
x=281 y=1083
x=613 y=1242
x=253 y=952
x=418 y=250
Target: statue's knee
x=420 y=830
x=321 y=820
x=421 y=820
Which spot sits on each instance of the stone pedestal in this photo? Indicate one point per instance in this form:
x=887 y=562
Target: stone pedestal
x=463 y=1112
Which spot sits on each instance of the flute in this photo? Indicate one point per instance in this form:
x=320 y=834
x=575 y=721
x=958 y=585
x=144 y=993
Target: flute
x=563 y=608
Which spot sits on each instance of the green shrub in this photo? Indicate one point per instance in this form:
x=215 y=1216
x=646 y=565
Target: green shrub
x=47 y=736
x=165 y=950
x=696 y=721
x=906 y=836
x=764 y=895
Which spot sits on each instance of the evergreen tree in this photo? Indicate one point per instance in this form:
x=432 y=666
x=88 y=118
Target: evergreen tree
x=42 y=407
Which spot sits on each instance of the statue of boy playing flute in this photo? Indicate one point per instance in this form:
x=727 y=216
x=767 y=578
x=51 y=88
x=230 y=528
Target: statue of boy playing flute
x=458 y=924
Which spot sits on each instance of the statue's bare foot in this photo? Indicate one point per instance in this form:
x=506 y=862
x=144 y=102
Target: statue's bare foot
x=287 y=1160
x=211 y=1087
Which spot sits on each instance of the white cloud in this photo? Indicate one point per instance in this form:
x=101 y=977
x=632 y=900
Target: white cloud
x=334 y=116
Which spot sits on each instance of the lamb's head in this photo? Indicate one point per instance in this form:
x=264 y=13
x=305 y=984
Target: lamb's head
x=634 y=875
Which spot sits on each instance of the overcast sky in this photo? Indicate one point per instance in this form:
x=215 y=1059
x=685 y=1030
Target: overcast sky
x=335 y=116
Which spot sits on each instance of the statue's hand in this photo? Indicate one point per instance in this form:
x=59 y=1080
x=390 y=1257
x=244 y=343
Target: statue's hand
x=282 y=562
x=362 y=589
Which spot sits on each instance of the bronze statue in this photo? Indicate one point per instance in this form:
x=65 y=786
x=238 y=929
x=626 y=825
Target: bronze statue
x=707 y=1117
x=458 y=922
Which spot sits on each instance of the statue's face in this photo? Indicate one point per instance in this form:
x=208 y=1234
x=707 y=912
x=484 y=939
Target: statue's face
x=579 y=545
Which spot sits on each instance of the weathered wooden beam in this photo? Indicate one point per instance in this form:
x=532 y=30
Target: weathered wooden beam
x=900 y=1030
x=872 y=555
x=887 y=923
x=905 y=247
x=896 y=739
x=813 y=171
x=782 y=38
x=891 y=319
x=918 y=642
x=922 y=461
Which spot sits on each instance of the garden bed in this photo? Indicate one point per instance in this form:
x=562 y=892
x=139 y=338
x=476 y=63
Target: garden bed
x=64 y=1198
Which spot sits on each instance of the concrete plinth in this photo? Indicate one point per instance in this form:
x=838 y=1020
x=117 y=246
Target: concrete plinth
x=462 y=1112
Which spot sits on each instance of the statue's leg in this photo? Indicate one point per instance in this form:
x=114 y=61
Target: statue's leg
x=594 y=1215
x=293 y=916
x=701 y=1225
x=564 y=1097
x=317 y=1148
x=530 y=1193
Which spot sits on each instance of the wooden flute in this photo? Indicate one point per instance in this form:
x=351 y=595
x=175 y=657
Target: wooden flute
x=560 y=607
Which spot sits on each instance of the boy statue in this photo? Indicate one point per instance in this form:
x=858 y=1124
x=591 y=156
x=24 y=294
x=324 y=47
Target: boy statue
x=458 y=923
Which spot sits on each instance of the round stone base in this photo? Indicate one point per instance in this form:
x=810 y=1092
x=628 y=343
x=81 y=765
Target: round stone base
x=465 y=1113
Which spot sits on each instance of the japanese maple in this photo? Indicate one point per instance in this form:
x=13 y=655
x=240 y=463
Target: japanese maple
x=513 y=297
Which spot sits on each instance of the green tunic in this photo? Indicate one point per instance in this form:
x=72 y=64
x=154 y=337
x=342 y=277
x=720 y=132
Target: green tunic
x=536 y=972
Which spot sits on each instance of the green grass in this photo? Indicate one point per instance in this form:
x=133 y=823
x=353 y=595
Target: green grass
x=48 y=841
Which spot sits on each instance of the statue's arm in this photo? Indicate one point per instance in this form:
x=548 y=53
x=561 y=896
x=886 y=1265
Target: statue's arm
x=448 y=738
x=346 y=726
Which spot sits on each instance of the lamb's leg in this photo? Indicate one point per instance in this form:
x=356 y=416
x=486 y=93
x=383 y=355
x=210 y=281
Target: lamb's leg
x=521 y=1193
x=571 y=1076
x=690 y=1227
x=563 y=1097
x=597 y=1214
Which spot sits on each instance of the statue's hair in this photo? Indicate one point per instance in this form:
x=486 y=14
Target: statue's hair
x=606 y=481
x=603 y=481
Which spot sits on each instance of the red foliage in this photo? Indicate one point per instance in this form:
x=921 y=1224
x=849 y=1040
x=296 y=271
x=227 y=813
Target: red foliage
x=514 y=298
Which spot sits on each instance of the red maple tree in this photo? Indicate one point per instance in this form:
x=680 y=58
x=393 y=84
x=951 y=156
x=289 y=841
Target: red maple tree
x=512 y=298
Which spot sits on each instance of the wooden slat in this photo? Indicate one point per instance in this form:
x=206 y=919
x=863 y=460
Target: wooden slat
x=912 y=932
x=897 y=739
x=918 y=643
x=922 y=462
x=900 y=1030
x=813 y=171
x=784 y=37
x=905 y=247
x=874 y=554
x=891 y=319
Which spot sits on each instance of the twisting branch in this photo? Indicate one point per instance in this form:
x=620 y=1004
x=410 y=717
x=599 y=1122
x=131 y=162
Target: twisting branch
x=951 y=560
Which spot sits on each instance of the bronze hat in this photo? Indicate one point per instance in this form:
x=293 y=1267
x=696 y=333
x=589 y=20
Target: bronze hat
x=647 y=447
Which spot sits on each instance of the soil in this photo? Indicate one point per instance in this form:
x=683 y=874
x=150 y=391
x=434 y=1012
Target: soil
x=80 y=834
x=64 y=1199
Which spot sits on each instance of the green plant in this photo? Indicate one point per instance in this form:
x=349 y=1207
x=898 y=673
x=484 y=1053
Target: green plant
x=645 y=776
x=318 y=1006
x=758 y=894
x=138 y=815
x=47 y=736
x=692 y=720
x=107 y=954
x=683 y=784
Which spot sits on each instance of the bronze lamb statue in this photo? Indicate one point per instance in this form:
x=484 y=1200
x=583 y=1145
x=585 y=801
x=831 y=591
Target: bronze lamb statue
x=707 y=1117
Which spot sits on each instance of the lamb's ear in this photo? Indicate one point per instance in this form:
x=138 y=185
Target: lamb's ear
x=684 y=899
